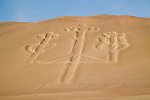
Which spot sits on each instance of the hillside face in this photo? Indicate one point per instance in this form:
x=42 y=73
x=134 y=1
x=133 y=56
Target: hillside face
x=70 y=57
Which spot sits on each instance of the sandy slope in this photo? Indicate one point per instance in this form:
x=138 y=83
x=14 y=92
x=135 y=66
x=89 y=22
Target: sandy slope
x=76 y=58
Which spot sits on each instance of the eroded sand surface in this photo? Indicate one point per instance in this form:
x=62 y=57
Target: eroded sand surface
x=75 y=58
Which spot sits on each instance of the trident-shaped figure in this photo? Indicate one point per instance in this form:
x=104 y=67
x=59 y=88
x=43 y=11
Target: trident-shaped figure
x=75 y=57
x=111 y=43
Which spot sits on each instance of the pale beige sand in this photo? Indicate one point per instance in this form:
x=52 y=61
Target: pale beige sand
x=76 y=58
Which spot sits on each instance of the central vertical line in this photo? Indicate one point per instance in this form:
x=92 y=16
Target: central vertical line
x=75 y=58
x=113 y=49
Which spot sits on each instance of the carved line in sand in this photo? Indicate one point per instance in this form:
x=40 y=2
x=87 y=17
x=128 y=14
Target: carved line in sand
x=45 y=43
x=77 y=49
x=113 y=43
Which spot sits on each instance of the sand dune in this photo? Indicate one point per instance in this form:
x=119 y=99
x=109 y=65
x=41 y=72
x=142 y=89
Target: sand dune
x=76 y=58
